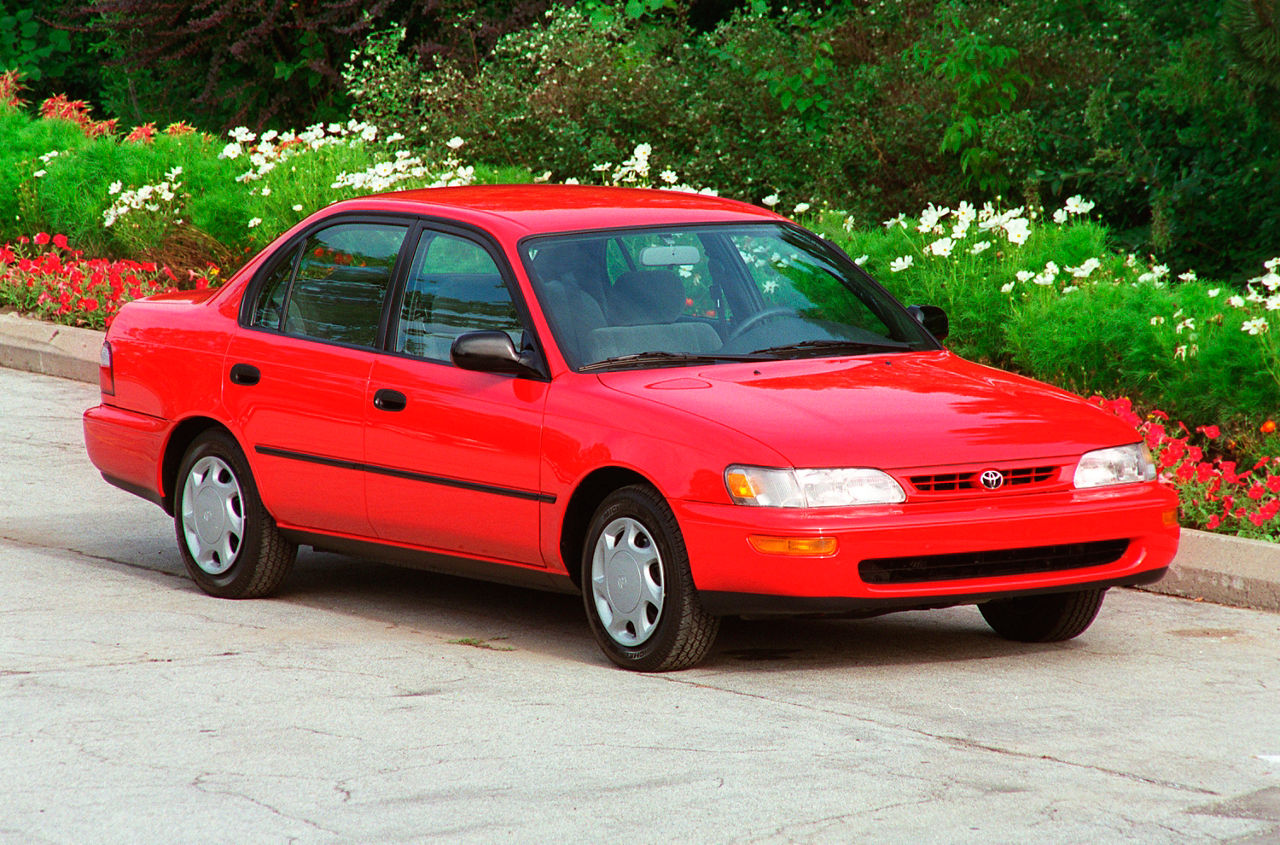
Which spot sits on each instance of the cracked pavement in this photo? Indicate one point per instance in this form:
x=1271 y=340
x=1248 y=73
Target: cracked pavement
x=362 y=705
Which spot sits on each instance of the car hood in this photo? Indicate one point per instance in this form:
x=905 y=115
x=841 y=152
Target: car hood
x=892 y=411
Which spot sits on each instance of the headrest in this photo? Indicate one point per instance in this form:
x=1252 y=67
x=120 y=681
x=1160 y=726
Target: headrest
x=642 y=297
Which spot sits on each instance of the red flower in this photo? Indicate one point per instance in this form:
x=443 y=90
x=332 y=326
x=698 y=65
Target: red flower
x=1273 y=483
x=60 y=241
x=1268 y=427
x=1213 y=522
x=41 y=239
x=1210 y=431
x=87 y=304
x=1256 y=492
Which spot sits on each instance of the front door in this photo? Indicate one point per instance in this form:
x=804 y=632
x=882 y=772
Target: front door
x=453 y=454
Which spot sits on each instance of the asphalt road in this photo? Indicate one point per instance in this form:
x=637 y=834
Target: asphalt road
x=369 y=703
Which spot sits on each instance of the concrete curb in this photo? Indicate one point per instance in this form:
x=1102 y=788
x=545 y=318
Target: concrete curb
x=40 y=347
x=1224 y=570
x=1212 y=567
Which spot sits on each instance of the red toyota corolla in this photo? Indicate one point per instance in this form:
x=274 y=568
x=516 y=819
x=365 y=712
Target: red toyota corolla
x=683 y=407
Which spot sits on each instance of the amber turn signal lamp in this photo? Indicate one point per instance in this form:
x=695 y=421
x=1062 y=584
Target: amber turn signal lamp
x=1169 y=517
x=794 y=546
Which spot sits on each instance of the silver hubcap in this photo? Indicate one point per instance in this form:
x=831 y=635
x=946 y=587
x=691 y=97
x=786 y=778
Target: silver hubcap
x=626 y=581
x=212 y=515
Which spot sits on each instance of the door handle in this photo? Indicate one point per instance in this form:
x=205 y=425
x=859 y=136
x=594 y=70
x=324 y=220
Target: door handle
x=245 y=374
x=389 y=400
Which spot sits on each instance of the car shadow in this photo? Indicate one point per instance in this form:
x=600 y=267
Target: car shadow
x=554 y=624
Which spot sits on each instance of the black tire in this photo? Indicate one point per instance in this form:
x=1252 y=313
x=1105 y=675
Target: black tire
x=229 y=543
x=643 y=557
x=1043 y=619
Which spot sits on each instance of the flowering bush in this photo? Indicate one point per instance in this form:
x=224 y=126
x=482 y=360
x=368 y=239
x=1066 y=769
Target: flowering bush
x=1215 y=494
x=44 y=276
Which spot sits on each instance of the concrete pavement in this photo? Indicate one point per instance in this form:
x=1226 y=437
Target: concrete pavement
x=368 y=703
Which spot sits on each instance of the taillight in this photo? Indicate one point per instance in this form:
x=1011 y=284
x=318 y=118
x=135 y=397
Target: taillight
x=106 y=375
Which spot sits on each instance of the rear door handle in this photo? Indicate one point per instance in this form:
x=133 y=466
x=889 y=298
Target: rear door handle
x=245 y=374
x=389 y=400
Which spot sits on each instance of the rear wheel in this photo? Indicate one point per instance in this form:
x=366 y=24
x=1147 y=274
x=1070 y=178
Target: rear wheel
x=1043 y=619
x=639 y=594
x=229 y=543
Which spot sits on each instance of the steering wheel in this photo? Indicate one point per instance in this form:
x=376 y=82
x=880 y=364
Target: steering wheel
x=758 y=318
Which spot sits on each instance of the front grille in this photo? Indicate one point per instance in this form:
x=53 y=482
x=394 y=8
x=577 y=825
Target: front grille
x=958 y=567
x=953 y=482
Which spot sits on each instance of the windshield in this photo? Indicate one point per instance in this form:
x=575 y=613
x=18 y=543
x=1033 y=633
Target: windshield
x=694 y=294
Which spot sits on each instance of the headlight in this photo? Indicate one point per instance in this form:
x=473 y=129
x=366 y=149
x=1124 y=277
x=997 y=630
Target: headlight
x=810 y=488
x=1120 y=465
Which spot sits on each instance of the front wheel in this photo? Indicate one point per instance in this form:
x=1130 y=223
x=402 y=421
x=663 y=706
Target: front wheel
x=639 y=594
x=229 y=543
x=1043 y=619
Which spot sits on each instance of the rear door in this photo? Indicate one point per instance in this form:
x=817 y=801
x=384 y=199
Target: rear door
x=453 y=454
x=297 y=372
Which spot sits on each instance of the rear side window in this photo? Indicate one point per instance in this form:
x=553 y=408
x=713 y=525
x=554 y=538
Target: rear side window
x=337 y=291
x=454 y=288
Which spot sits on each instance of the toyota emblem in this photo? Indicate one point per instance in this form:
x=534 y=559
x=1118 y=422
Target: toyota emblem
x=992 y=479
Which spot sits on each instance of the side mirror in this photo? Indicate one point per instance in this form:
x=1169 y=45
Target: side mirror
x=490 y=352
x=933 y=318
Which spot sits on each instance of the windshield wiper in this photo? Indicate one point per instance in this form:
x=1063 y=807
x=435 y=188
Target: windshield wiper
x=819 y=347
x=643 y=359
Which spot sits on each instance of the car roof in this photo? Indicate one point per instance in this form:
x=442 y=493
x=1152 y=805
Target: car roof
x=521 y=210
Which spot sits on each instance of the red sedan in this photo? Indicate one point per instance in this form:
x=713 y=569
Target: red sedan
x=682 y=407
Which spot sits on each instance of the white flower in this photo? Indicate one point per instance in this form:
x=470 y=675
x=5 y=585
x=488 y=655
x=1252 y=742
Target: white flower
x=232 y=150
x=1180 y=353
x=1157 y=321
x=901 y=263
x=393 y=137
x=1272 y=303
x=770 y=200
x=1189 y=324
x=1235 y=301
x=1213 y=292
x=1070 y=289
x=801 y=208
x=254 y=222
x=1078 y=205
x=266 y=192
x=1256 y=326
x=298 y=207
x=861 y=259
x=571 y=181
x=242 y=134
x=942 y=247
x=929 y=218
x=454 y=143
x=1271 y=281
x=1189 y=276
x=669 y=176
x=1007 y=287
x=900 y=220
x=965 y=213
x=546 y=176
x=1025 y=275
x=1083 y=271
x=1018 y=230
x=769 y=286
x=1273 y=265
x=115 y=187
x=1060 y=216
x=980 y=247
x=39 y=173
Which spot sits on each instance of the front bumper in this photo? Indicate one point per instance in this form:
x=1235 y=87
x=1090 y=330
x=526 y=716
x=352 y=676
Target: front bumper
x=733 y=577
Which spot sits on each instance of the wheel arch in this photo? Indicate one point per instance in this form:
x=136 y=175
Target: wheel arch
x=586 y=497
x=180 y=440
